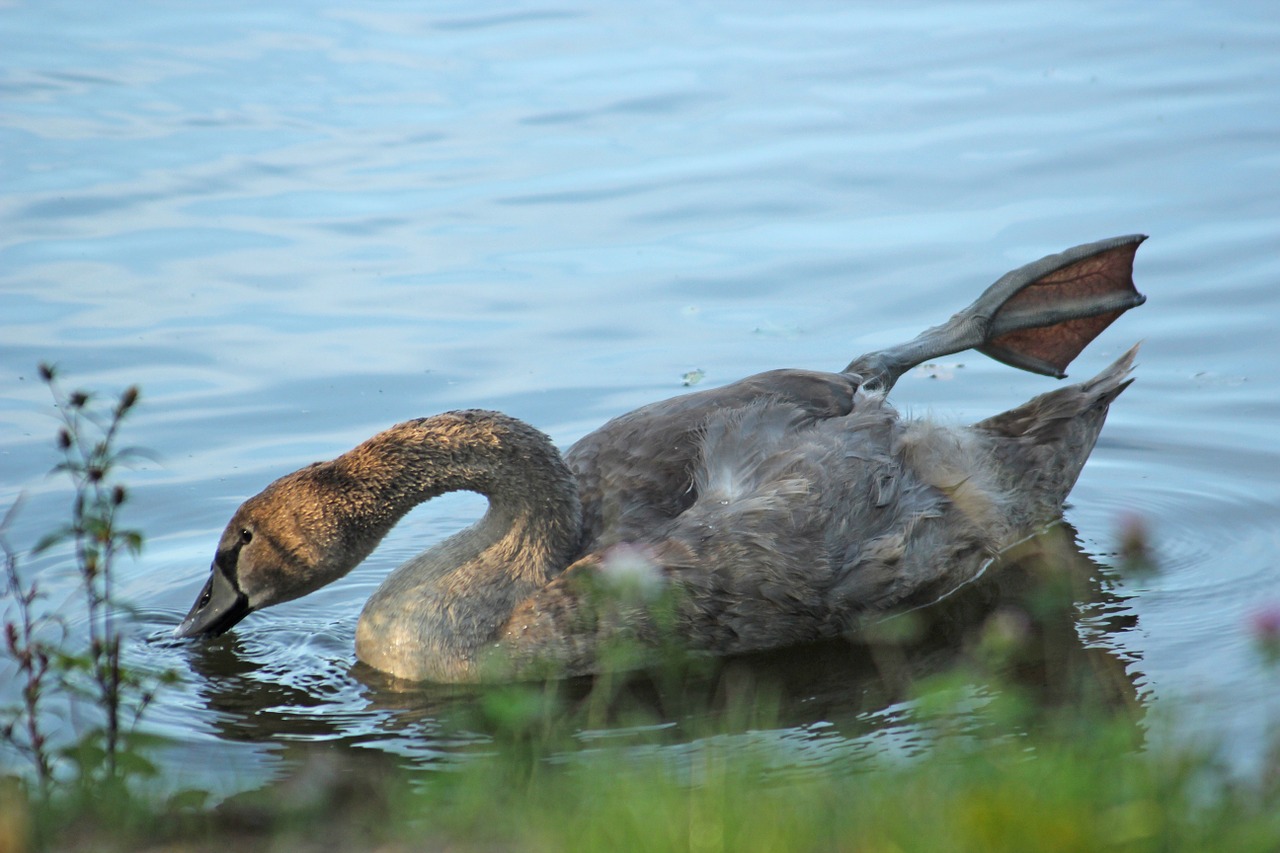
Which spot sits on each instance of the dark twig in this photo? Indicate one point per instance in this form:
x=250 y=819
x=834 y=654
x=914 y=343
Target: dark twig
x=31 y=653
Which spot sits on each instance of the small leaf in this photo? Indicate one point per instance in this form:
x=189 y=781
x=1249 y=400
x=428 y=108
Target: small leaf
x=190 y=799
x=85 y=754
x=55 y=537
x=71 y=663
x=11 y=513
x=97 y=527
x=132 y=763
x=125 y=454
x=132 y=540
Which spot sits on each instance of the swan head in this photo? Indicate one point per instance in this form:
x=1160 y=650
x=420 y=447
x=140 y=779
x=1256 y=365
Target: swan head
x=313 y=526
x=299 y=534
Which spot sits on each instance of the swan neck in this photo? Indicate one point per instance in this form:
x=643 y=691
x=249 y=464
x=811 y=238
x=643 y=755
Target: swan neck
x=533 y=499
x=433 y=616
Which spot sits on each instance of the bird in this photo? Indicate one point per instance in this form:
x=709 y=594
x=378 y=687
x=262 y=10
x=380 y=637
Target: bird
x=769 y=512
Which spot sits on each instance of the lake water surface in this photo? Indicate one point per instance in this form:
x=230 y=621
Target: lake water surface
x=295 y=224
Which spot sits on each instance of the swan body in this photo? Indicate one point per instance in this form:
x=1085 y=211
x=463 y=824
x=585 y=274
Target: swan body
x=775 y=510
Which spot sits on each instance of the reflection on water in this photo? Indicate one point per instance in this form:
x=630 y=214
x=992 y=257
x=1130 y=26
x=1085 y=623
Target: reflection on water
x=1023 y=616
x=294 y=227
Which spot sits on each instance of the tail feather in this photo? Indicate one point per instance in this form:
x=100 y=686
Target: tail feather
x=1043 y=444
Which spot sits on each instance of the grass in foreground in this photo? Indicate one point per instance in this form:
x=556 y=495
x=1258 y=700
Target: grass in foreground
x=1070 y=787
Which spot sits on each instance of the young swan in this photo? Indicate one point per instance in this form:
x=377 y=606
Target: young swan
x=778 y=509
x=433 y=615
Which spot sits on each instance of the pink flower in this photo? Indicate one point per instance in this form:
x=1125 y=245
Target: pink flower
x=1265 y=626
x=632 y=570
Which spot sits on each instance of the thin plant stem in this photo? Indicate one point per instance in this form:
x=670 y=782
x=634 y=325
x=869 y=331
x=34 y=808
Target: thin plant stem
x=23 y=643
x=96 y=542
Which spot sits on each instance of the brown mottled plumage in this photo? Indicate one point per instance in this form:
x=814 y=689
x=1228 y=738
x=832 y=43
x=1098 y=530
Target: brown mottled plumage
x=779 y=508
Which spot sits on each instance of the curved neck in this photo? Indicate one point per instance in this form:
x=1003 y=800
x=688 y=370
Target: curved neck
x=433 y=615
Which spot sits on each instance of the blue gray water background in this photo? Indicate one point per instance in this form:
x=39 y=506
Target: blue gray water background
x=295 y=224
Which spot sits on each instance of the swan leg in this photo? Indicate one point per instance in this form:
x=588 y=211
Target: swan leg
x=1037 y=317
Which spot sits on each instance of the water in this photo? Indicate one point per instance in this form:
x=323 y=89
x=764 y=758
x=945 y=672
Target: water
x=296 y=225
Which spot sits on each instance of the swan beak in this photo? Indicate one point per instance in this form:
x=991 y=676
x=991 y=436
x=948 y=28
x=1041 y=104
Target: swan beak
x=219 y=606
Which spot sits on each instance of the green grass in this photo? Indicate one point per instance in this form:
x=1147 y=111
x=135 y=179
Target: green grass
x=1070 y=787
x=1070 y=779
x=993 y=769
x=1012 y=796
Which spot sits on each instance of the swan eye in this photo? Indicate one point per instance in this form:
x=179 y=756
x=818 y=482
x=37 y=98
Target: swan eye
x=246 y=536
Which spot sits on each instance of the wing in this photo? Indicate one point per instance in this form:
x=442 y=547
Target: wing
x=636 y=472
